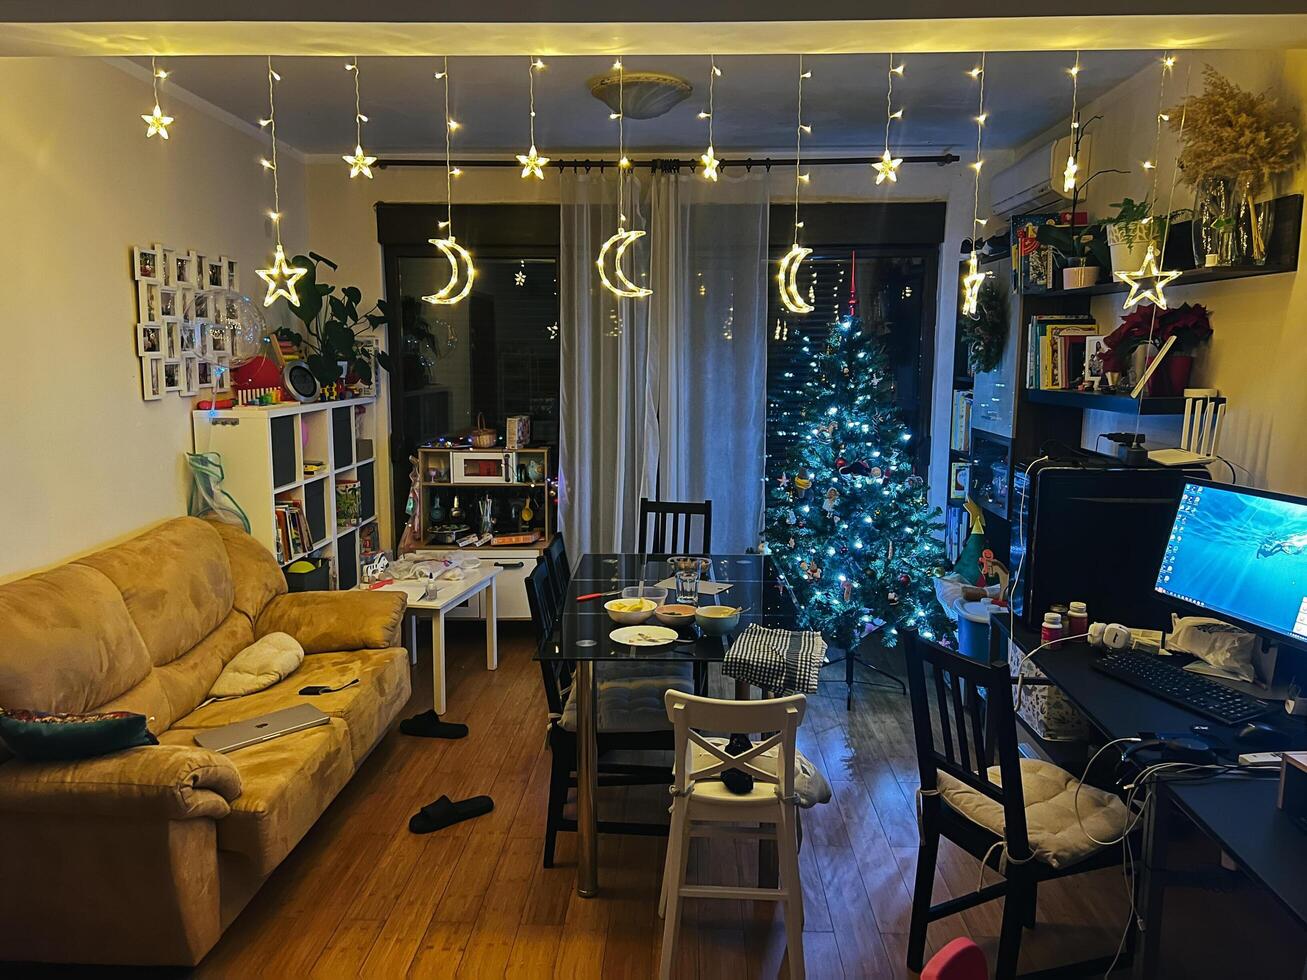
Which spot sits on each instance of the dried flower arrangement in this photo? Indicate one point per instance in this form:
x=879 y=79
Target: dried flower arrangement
x=1230 y=132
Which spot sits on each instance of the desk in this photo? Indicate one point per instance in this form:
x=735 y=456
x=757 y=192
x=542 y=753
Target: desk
x=584 y=639
x=1238 y=812
x=448 y=595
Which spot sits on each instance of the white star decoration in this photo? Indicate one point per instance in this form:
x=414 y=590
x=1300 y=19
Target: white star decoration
x=281 y=278
x=887 y=168
x=157 y=122
x=519 y=278
x=971 y=286
x=710 y=165
x=359 y=163
x=1148 y=270
x=1069 y=174
x=533 y=164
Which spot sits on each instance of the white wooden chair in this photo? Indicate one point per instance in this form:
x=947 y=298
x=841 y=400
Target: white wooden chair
x=702 y=806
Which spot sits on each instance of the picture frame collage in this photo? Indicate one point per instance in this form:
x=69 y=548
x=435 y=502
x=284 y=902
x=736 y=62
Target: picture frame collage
x=186 y=313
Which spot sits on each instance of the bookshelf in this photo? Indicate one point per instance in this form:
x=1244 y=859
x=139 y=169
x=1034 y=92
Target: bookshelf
x=318 y=458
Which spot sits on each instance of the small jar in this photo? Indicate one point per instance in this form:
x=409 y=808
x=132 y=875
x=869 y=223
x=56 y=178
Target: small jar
x=1052 y=629
x=1077 y=623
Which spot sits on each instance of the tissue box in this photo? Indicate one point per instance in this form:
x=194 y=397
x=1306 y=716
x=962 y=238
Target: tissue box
x=517 y=432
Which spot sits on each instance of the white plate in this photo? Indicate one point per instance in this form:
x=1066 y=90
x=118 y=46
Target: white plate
x=644 y=636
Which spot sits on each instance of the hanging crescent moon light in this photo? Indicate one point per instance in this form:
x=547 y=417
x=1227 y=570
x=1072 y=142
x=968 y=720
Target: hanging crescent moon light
x=461 y=273
x=623 y=287
x=787 y=279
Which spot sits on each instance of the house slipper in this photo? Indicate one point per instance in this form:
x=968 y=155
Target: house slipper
x=444 y=812
x=736 y=780
x=428 y=725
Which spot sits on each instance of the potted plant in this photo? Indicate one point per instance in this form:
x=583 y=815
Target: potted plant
x=1190 y=324
x=1232 y=143
x=1129 y=234
x=330 y=343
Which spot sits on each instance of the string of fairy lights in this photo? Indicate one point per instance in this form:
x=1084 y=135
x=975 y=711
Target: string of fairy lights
x=1147 y=283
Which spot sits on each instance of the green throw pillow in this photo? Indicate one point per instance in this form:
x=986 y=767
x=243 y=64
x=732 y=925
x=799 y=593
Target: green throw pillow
x=40 y=736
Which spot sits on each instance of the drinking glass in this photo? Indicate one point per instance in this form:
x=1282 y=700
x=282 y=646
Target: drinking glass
x=687 y=572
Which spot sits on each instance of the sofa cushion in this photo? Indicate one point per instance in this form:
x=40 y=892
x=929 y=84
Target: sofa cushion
x=366 y=708
x=42 y=736
x=286 y=783
x=324 y=621
x=67 y=642
x=256 y=577
x=1058 y=825
x=176 y=582
x=264 y=662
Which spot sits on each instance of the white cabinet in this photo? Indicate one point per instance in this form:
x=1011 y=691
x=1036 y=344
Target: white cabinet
x=515 y=566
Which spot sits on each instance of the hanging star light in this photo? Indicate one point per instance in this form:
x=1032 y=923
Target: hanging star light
x=156 y=121
x=971 y=282
x=618 y=243
x=887 y=167
x=533 y=163
x=1073 y=168
x=281 y=276
x=462 y=272
x=788 y=273
x=1148 y=282
x=709 y=158
x=360 y=162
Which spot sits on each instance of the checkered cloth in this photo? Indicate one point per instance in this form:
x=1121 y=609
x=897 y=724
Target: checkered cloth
x=781 y=661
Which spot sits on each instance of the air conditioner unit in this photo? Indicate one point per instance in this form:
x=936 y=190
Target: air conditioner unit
x=1034 y=182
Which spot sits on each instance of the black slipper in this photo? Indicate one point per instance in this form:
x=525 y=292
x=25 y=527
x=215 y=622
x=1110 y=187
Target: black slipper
x=444 y=812
x=736 y=780
x=429 y=725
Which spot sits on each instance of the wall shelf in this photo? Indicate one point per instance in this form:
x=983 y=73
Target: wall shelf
x=1191 y=277
x=1104 y=402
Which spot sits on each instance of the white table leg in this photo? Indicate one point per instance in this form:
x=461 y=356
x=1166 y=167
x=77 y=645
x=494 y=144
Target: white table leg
x=412 y=638
x=492 y=626
x=438 y=661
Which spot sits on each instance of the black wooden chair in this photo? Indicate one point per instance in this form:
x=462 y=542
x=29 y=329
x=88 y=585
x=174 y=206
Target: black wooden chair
x=967 y=725
x=672 y=523
x=631 y=716
x=560 y=569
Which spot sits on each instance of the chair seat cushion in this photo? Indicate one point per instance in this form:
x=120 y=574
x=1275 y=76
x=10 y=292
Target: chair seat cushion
x=263 y=663
x=1058 y=837
x=366 y=708
x=631 y=702
x=810 y=785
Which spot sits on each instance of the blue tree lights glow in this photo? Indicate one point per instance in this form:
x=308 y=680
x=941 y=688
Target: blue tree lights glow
x=847 y=519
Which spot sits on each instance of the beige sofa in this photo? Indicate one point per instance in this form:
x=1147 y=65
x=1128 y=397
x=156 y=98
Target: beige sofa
x=146 y=855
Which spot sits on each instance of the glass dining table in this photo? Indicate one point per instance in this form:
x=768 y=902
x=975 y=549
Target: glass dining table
x=750 y=582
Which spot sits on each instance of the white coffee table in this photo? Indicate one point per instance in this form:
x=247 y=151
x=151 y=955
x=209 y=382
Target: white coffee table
x=448 y=595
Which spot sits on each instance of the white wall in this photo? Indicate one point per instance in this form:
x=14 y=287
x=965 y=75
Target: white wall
x=1258 y=353
x=85 y=460
x=342 y=225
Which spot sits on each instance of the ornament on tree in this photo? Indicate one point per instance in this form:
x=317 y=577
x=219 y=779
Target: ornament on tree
x=875 y=472
x=892 y=598
x=826 y=433
x=790 y=517
x=790 y=544
x=784 y=480
x=828 y=505
x=904 y=579
x=859 y=467
x=848 y=591
x=801 y=486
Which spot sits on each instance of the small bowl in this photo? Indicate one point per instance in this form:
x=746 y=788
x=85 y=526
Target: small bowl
x=676 y=615
x=653 y=592
x=717 y=620
x=630 y=612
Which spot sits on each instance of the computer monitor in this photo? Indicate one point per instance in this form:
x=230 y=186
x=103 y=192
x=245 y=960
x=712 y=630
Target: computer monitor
x=1241 y=556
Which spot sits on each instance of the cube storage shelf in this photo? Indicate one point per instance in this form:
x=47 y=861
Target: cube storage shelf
x=264 y=450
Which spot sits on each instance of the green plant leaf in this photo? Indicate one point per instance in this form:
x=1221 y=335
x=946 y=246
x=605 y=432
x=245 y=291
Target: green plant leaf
x=337 y=307
x=353 y=294
x=324 y=368
x=383 y=358
x=308 y=291
x=363 y=369
x=324 y=260
x=339 y=340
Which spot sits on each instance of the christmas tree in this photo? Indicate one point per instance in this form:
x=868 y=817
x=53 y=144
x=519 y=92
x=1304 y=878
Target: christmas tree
x=847 y=519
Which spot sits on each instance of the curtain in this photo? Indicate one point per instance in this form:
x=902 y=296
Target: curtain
x=608 y=437
x=709 y=335
x=664 y=396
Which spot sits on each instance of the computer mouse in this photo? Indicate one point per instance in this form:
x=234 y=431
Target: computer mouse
x=1259 y=732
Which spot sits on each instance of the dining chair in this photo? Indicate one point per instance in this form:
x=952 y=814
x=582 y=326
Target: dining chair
x=1027 y=818
x=665 y=517
x=560 y=568
x=702 y=806
x=630 y=716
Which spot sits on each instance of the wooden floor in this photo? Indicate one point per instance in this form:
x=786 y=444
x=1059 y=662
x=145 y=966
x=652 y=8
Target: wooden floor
x=361 y=896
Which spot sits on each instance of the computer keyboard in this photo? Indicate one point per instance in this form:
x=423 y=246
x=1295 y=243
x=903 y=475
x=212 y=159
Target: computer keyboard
x=1153 y=674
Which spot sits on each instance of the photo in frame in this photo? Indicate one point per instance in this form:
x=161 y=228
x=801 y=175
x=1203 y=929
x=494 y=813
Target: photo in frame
x=145 y=265
x=149 y=340
x=204 y=373
x=172 y=375
x=190 y=375
x=215 y=274
x=152 y=377
x=221 y=375
x=183 y=265
x=147 y=302
x=189 y=334
x=958 y=476
x=219 y=339
x=233 y=273
x=168 y=302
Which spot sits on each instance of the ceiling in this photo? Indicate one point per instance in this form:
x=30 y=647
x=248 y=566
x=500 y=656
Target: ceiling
x=844 y=100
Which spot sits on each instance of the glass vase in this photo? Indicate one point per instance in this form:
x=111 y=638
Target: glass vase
x=1213 y=223
x=1254 y=221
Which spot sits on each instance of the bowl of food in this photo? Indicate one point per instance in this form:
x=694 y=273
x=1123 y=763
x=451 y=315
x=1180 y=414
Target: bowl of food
x=675 y=615
x=659 y=596
x=717 y=620
x=630 y=612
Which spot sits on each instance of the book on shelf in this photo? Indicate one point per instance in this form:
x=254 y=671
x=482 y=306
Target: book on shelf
x=1046 y=364
x=960 y=438
x=349 y=502
x=958 y=476
x=293 y=537
x=956 y=531
x=520 y=537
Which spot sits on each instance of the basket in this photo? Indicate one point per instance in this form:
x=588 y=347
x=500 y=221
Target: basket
x=483 y=438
